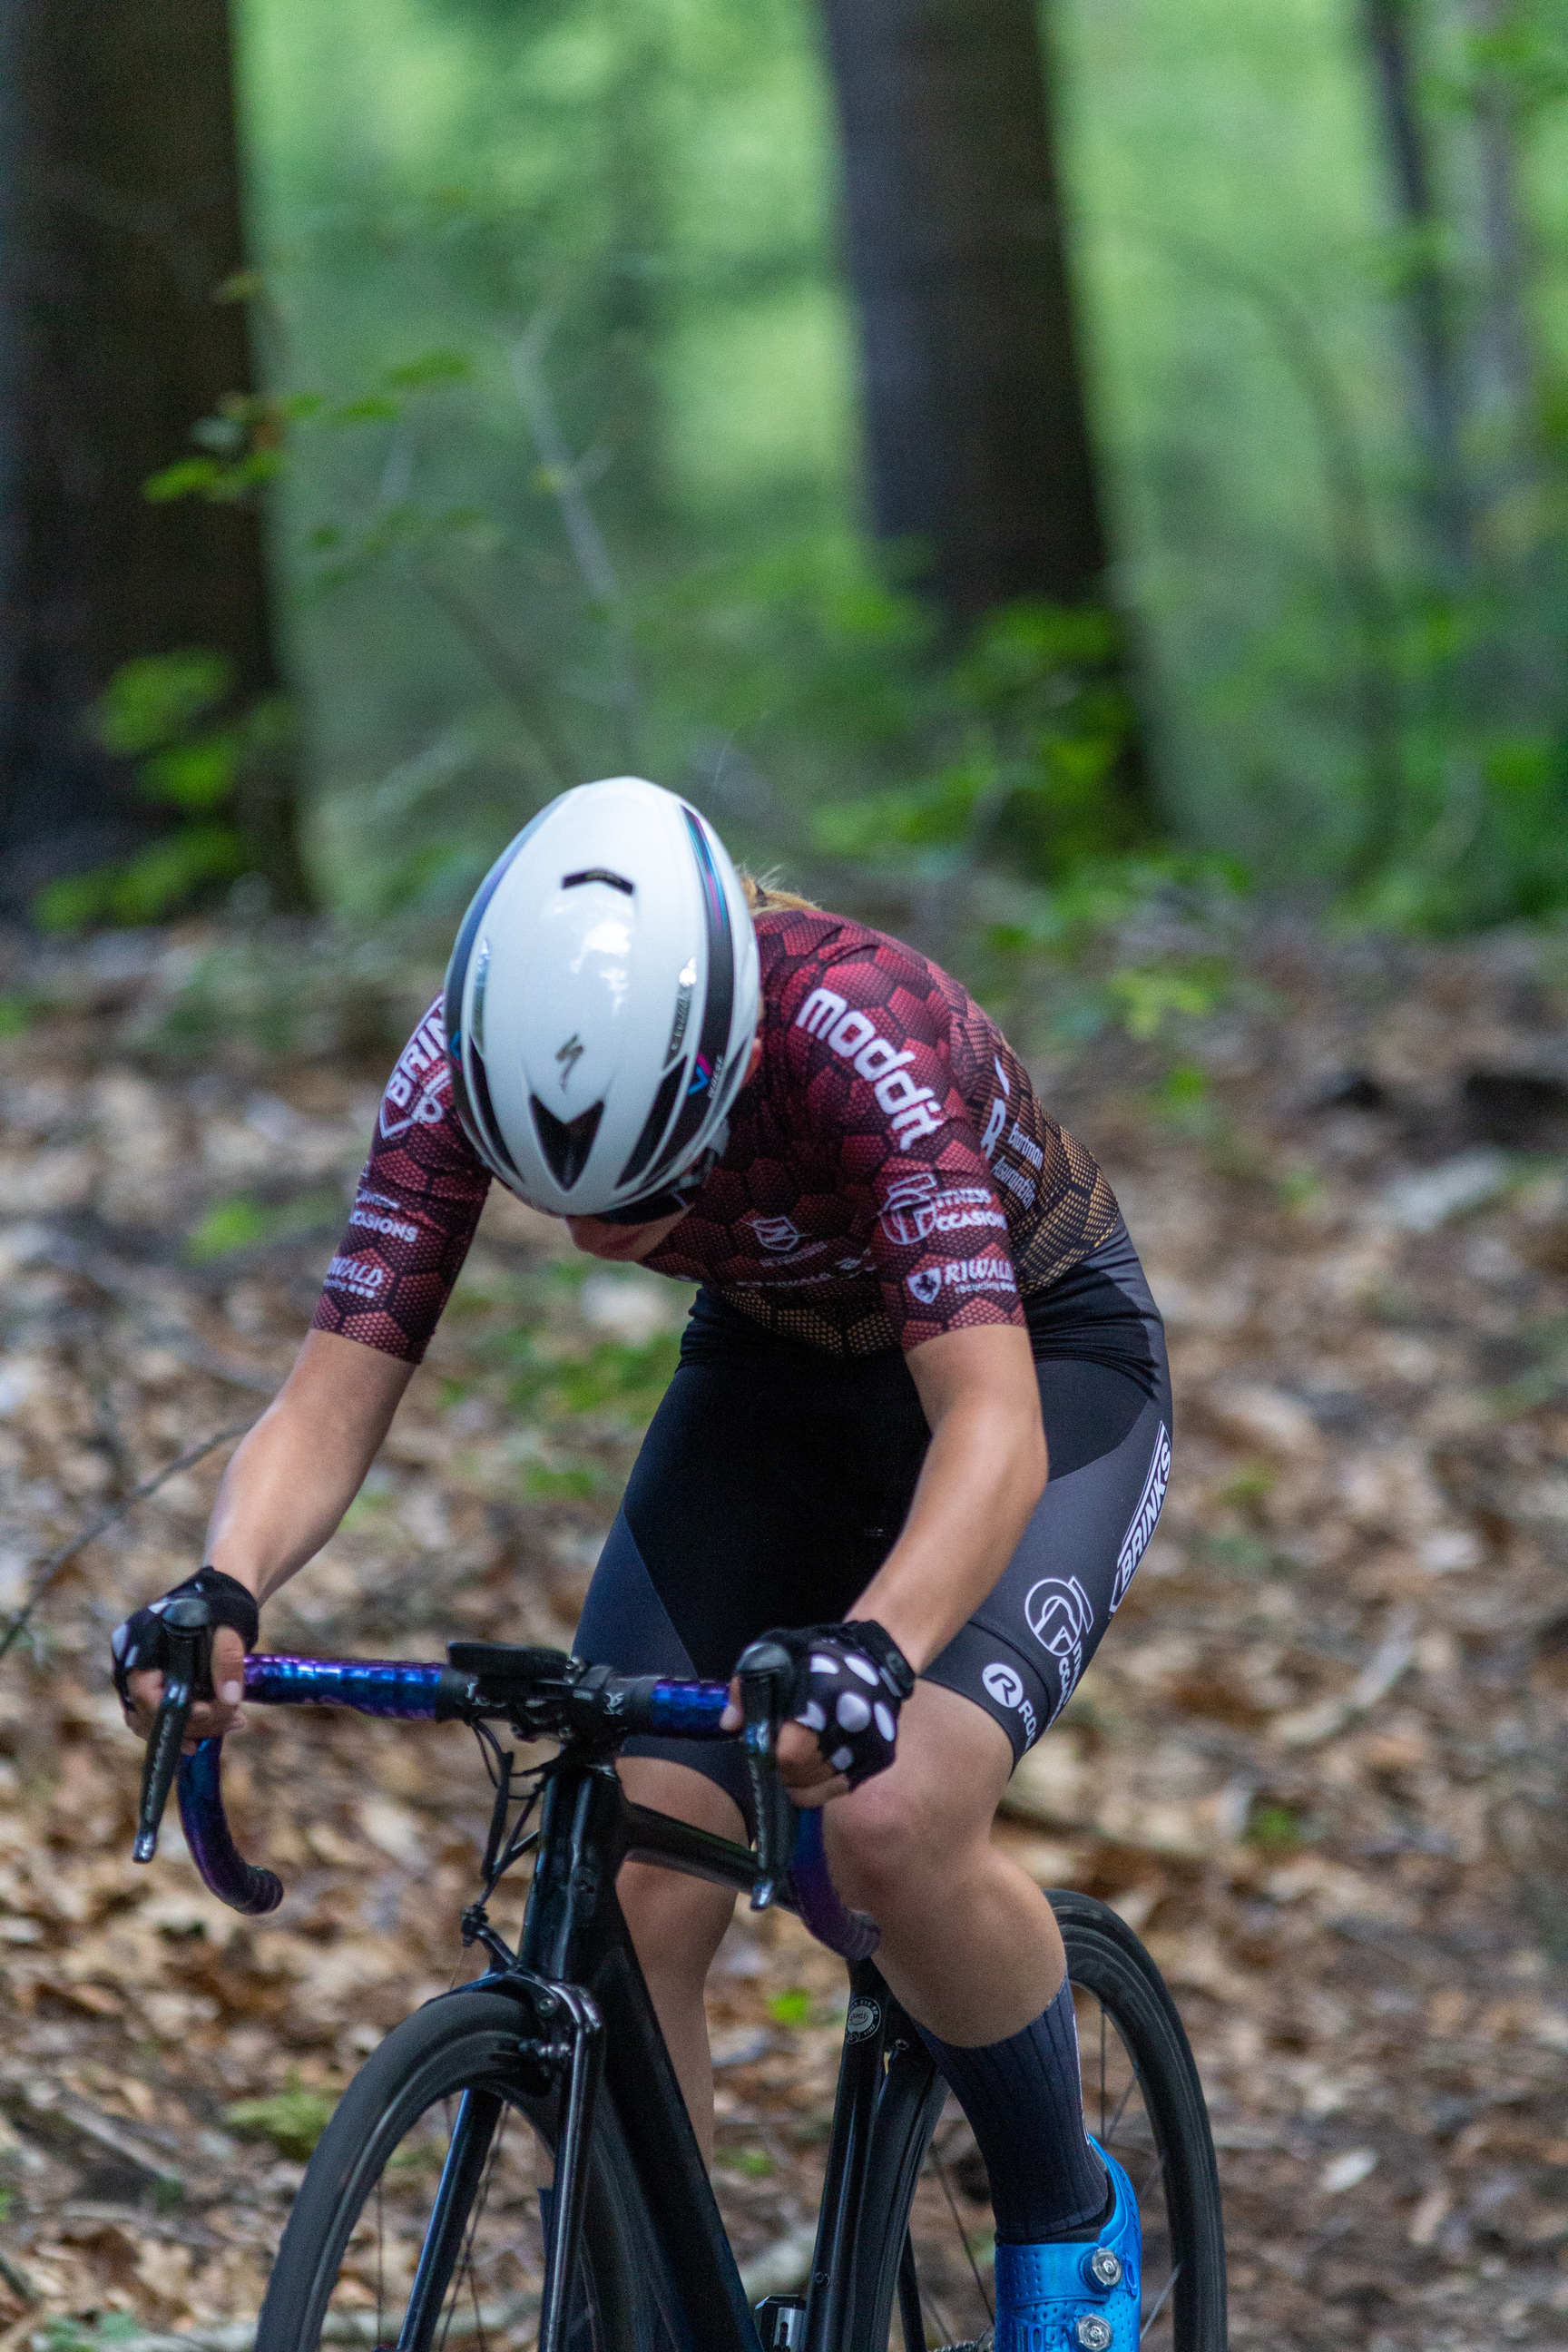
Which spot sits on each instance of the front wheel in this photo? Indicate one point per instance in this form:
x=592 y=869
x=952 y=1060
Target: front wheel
x=420 y=2222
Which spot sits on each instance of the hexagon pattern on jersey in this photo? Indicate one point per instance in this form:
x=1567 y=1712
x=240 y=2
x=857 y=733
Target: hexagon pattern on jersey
x=889 y=1174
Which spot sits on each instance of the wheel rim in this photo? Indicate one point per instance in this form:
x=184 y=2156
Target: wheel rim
x=417 y=2273
x=951 y=2226
x=1119 y=2117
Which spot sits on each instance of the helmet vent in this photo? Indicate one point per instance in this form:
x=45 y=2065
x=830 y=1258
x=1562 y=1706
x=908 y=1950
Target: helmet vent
x=565 y=1143
x=653 y=1129
x=598 y=874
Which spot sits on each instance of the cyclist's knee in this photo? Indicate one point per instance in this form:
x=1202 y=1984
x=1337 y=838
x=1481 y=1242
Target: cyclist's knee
x=881 y=1842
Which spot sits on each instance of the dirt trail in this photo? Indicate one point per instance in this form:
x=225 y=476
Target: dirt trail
x=1320 y=1765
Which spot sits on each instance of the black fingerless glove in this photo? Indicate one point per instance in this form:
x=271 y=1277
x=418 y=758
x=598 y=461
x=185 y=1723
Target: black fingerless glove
x=141 y=1645
x=850 y=1681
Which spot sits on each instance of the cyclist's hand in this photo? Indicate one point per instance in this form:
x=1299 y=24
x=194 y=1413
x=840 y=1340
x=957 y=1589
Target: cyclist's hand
x=138 y=1648
x=850 y=1682
x=209 y=1718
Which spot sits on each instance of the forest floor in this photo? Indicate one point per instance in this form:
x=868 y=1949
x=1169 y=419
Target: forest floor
x=1320 y=1765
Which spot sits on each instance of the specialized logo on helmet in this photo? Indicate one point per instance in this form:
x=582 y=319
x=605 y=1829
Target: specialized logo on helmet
x=569 y=1055
x=913 y=1111
x=1135 y=1542
x=1059 y=1613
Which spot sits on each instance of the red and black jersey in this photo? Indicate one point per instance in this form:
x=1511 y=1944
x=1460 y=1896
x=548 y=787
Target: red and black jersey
x=888 y=1175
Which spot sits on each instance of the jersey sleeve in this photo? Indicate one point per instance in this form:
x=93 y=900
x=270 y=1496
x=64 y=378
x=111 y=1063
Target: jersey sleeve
x=869 y=1046
x=414 y=1213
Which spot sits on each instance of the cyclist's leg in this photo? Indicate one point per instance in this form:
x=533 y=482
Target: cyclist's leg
x=976 y=1968
x=722 y=1535
x=678 y=1924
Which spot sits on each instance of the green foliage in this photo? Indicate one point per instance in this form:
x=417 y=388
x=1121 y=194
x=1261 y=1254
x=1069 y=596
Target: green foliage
x=158 y=701
x=242 y=1222
x=576 y=1483
x=1325 y=700
x=294 y=2119
x=1275 y=1828
x=162 y=712
x=792 y=2007
x=610 y=1378
x=1039 y=727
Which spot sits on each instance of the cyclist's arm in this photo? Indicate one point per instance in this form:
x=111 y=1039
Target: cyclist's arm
x=984 y=1473
x=286 y=1490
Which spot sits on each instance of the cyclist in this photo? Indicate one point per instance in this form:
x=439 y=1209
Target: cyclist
x=916 y=1294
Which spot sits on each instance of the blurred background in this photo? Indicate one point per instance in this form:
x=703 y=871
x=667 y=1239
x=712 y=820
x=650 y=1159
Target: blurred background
x=1086 y=488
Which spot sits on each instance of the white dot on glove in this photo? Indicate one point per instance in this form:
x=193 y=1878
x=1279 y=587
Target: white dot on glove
x=852 y=1713
x=885 y=1722
x=859 y=1665
x=842 y=1758
x=812 y=1716
x=823 y=1665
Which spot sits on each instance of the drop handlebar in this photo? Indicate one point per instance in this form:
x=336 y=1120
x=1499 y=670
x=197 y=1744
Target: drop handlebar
x=543 y=1694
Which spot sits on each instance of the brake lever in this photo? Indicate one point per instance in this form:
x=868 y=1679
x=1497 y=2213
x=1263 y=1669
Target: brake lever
x=187 y=1627
x=766 y=1672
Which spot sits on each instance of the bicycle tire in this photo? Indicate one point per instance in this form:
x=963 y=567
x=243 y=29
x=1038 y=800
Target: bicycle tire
x=1107 y=1961
x=461 y=2048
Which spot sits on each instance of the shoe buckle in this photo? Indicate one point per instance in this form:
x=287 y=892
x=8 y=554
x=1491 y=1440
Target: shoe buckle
x=1093 y=2333
x=1104 y=2268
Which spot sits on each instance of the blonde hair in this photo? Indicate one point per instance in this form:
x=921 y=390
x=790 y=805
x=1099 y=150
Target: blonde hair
x=764 y=897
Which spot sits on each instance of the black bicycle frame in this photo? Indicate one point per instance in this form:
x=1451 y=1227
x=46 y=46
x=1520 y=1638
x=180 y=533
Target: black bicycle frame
x=574 y=1933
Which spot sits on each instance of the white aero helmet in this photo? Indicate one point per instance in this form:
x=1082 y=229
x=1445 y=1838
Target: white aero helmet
x=601 y=1001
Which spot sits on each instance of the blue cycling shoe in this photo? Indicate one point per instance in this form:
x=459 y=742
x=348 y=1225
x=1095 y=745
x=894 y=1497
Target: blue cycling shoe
x=1075 y=2299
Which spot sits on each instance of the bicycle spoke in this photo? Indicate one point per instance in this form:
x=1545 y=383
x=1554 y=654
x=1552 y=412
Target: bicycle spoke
x=1106 y=2134
x=962 y=2235
x=1160 y=2306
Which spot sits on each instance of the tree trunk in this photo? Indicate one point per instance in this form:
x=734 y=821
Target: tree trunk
x=980 y=458
x=120 y=219
x=1386 y=27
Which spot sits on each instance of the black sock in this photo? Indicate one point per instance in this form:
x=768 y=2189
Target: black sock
x=1025 y=2106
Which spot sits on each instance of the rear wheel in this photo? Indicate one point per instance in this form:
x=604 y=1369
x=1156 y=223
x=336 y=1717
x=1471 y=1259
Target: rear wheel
x=420 y=2222
x=1141 y=2100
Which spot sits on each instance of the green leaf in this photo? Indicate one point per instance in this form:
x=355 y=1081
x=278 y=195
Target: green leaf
x=241 y=1223
x=432 y=367
x=790 y=2008
x=187 y=477
x=371 y=408
x=152 y=701
x=229 y=1225
x=195 y=776
x=168 y=872
x=294 y=2119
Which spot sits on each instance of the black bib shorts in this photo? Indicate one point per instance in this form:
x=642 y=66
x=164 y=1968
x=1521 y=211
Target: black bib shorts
x=775 y=1478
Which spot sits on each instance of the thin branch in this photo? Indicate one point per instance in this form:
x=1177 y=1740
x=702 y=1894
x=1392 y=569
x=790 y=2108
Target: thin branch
x=589 y=551
x=1352 y=534
x=48 y=1570
x=522 y=686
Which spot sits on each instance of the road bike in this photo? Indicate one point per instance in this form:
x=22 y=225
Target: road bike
x=513 y=2168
